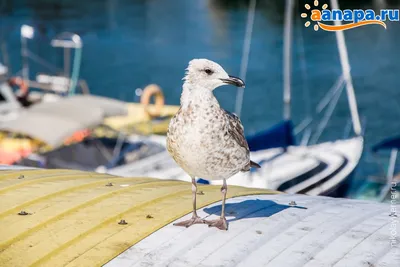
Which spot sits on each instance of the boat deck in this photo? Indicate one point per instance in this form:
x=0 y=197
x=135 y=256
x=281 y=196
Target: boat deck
x=65 y=217
x=265 y=230
x=75 y=218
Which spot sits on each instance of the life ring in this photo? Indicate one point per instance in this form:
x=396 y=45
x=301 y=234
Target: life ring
x=149 y=91
x=18 y=81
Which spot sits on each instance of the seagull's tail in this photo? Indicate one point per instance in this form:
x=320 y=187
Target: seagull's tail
x=254 y=165
x=250 y=165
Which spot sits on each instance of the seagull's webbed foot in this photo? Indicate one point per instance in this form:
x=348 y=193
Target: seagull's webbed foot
x=219 y=223
x=195 y=219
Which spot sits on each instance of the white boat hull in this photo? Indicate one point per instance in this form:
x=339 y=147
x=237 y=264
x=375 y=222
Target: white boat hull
x=312 y=170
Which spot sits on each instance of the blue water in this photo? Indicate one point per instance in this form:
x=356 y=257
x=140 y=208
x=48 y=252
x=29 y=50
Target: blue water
x=129 y=44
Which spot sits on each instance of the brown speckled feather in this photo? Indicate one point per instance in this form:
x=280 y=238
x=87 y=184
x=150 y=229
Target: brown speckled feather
x=236 y=131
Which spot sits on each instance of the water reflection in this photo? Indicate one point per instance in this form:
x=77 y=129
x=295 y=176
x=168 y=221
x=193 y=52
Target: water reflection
x=128 y=44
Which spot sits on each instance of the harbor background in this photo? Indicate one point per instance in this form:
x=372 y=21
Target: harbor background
x=129 y=44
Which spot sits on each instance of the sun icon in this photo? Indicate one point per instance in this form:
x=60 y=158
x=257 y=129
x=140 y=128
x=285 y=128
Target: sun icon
x=305 y=15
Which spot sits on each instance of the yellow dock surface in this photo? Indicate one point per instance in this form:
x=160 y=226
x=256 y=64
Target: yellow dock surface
x=71 y=218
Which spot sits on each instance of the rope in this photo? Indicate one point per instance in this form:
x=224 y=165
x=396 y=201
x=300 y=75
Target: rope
x=118 y=146
x=328 y=97
x=41 y=61
x=321 y=127
x=306 y=137
x=326 y=100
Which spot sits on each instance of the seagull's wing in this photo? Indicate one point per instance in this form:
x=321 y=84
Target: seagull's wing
x=235 y=129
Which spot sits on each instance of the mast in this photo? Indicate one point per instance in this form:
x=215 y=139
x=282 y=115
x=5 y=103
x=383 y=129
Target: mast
x=287 y=68
x=27 y=32
x=245 y=55
x=344 y=60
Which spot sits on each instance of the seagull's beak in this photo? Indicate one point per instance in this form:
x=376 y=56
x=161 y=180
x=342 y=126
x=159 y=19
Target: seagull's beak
x=234 y=81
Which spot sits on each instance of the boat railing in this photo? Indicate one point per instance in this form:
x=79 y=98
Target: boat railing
x=59 y=81
x=55 y=83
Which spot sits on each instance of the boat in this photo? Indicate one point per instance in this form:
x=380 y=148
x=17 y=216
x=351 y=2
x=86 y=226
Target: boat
x=76 y=218
x=308 y=167
x=115 y=124
x=138 y=120
x=49 y=125
x=56 y=83
x=97 y=153
x=71 y=134
x=383 y=187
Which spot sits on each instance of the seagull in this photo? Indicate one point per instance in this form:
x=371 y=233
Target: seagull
x=205 y=140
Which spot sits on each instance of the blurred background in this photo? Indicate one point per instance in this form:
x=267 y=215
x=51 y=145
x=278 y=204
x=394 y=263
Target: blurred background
x=128 y=44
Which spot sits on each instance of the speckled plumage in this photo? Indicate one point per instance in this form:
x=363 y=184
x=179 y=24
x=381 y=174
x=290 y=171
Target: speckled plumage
x=204 y=139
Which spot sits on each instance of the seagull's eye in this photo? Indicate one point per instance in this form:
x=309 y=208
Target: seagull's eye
x=208 y=71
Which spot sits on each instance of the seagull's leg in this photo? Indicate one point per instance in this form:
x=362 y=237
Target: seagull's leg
x=221 y=222
x=195 y=218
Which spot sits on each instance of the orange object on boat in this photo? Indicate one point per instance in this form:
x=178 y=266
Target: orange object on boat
x=12 y=150
x=77 y=136
x=10 y=157
x=18 y=81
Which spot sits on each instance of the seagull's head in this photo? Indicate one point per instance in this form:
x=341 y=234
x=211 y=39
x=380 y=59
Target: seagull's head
x=210 y=75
